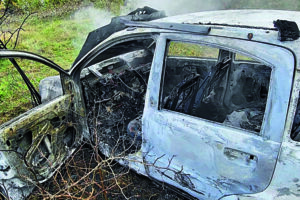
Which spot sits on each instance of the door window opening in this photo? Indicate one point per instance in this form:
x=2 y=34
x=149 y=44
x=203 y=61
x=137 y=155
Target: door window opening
x=196 y=82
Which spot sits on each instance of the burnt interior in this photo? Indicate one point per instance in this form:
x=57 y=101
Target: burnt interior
x=114 y=92
x=221 y=90
x=295 y=133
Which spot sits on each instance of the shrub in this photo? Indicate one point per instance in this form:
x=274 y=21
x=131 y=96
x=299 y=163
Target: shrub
x=24 y=6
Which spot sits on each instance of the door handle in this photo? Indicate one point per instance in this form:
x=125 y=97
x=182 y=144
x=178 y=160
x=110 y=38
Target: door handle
x=240 y=157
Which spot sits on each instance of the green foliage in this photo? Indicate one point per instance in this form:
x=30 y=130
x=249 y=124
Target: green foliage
x=58 y=39
x=192 y=50
x=112 y=5
x=25 y=6
x=14 y=98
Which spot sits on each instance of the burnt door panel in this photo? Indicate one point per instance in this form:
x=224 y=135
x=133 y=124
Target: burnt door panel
x=34 y=144
x=217 y=148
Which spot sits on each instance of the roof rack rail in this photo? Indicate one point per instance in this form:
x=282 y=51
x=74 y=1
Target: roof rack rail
x=201 y=30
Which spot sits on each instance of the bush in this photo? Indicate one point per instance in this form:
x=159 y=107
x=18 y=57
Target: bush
x=112 y=5
x=25 y=6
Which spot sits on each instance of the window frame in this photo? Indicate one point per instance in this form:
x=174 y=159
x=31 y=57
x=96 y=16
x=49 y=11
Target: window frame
x=85 y=61
x=292 y=110
x=219 y=52
x=211 y=41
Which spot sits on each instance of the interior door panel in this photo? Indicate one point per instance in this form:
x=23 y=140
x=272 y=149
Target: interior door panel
x=36 y=143
x=39 y=137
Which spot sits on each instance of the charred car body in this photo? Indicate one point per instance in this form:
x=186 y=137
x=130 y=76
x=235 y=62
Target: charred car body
x=205 y=102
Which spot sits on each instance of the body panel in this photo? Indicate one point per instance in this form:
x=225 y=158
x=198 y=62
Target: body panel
x=36 y=143
x=194 y=148
x=285 y=181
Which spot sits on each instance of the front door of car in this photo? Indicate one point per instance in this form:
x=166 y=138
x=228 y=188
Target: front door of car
x=213 y=119
x=34 y=144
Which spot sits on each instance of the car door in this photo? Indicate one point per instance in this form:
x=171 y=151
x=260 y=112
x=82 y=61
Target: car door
x=201 y=144
x=34 y=144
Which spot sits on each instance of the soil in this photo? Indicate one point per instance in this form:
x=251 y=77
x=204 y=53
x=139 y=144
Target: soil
x=102 y=183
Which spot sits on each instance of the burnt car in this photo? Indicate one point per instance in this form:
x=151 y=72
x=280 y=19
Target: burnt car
x=207 y=103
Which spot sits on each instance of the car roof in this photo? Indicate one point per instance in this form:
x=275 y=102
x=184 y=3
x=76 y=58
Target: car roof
x=232 y=22
x=255 y=18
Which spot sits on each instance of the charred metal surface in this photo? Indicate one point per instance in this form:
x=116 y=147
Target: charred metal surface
x=285 y=182
x=235 y=25
x=35 y=144
x=220 y=160
x=170 y=26
x=31 y=147
x=99 y=35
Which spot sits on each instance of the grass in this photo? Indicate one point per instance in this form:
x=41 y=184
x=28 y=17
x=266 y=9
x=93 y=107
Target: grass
x=192 y=50
x=58 y=39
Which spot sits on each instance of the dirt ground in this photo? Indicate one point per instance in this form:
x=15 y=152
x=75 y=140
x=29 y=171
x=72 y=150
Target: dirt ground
x=110 y=181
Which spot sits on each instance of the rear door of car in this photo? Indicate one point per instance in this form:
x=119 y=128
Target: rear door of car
x=209 y=157
x=34 y=144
